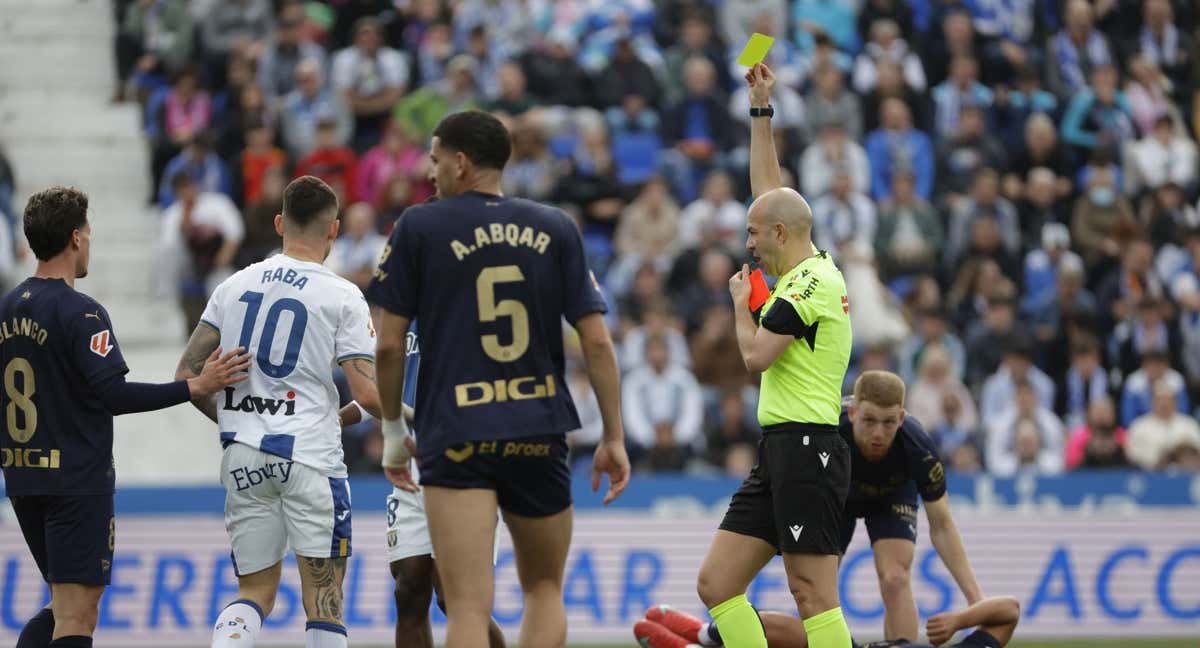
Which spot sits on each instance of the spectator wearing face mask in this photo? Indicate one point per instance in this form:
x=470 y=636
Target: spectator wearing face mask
x=1096 y=218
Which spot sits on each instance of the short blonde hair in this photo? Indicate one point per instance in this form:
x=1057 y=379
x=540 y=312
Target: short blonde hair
x=881 y=388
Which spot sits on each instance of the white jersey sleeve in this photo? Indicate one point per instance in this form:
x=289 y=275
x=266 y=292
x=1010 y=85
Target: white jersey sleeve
x=212 y=311
x=355 y=334
x=297 y=320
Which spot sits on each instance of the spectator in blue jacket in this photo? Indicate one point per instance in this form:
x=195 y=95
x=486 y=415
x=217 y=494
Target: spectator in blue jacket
x=202 y=165
x=1076 y=50
x=962 y=89
x=1099 y=117
x=1137 y=397
x=837 y=18
x=897 y=145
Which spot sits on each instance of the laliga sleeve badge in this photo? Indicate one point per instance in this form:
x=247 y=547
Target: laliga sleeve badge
x=102 y=343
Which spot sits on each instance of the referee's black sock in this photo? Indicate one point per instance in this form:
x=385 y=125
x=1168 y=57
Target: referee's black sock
x=38 y=631
x=72 y=642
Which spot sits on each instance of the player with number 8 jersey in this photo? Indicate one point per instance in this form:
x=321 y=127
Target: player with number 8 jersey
x=64 y=380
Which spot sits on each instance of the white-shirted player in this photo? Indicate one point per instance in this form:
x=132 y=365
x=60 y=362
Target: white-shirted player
x=410 y=550
x=282 y=469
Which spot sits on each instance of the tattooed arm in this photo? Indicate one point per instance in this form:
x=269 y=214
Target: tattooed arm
x=205 y=339
x=360 y=373
x=321 y=582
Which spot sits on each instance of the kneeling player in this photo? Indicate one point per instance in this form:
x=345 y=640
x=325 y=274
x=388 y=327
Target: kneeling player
x=893 y=460
x=994 y=619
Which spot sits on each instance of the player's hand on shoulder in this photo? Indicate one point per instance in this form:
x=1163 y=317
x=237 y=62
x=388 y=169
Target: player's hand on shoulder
x=219 y=372
x=612 y=460
x=941 y=627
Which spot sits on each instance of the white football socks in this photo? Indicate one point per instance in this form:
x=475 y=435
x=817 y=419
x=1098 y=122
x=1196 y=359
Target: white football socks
x=238 y=625
x=324 y=634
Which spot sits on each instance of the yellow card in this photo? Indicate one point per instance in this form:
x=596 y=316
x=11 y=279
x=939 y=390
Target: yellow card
x=755 y=50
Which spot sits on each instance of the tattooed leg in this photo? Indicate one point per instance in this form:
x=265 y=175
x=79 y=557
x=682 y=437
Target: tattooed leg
x=321 y=581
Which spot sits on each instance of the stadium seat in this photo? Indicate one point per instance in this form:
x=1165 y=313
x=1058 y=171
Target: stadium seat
x=636 y=156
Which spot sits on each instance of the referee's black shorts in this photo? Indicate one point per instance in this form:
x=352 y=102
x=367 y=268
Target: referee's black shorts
x=793 y=497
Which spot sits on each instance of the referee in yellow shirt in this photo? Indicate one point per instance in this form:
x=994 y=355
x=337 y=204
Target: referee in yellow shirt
x=800 y=340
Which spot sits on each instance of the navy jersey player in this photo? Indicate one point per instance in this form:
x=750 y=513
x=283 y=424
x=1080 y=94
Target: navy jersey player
x=490 y=279
x=64 y=379
x=409 y=548
x=893 y=461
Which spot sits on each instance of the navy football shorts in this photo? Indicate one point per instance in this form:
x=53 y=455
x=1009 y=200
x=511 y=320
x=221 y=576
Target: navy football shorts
x=71 y=537
x=793 y=498
x=530 y=475
x=892 y=516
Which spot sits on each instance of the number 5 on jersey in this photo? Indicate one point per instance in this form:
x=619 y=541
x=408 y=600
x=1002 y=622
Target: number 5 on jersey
x=490 y=310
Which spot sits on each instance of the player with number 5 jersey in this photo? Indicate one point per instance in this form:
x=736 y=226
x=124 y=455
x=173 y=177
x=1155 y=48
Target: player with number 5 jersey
x=282 y=468
x=490 y=279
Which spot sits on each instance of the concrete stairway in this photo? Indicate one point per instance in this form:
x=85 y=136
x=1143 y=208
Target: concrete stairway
x=57 y=73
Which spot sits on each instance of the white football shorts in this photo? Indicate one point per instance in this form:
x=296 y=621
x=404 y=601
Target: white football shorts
x=408 y=530
x=272 y=503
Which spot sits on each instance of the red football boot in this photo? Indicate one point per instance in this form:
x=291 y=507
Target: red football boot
x=653 y=635
x=684 y=625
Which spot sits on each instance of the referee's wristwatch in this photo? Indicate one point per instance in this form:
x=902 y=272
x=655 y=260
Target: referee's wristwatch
x=766 y=111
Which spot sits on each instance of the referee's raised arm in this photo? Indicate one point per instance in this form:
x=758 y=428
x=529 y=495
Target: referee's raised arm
x=764 y=160
x=800 y=339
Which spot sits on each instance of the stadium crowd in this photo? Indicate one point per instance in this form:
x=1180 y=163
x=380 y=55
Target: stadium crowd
x=1008 y=187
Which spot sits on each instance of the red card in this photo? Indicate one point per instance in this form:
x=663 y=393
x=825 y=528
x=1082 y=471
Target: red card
x=759 y=293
